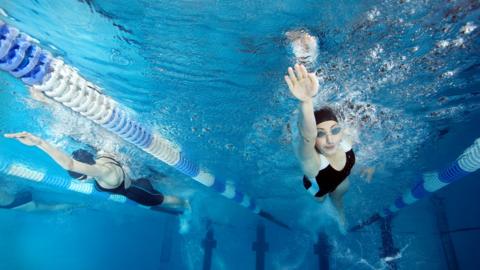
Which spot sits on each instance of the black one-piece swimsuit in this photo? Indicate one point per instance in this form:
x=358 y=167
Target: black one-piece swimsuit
x=140 y=191
x=328 y=179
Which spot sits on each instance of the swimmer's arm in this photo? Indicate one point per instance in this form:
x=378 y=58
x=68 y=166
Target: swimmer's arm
x=62 y=159
x=306 y=122
x=68 y=163
x=304 y=86
x=308 y=157
x=305 y=151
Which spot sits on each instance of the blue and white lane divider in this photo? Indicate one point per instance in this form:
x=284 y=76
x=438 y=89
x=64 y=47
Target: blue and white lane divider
x=430 y=182
x=68 y=184
x=20 y=56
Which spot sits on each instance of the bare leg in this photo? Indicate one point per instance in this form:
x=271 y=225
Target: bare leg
x=174 y=203
x=337 y=200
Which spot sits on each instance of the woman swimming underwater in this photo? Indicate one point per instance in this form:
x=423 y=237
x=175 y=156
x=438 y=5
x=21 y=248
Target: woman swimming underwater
x=325 y=153
x=109 y=174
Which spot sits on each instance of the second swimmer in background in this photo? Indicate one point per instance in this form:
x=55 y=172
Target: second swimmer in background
x=109 y=174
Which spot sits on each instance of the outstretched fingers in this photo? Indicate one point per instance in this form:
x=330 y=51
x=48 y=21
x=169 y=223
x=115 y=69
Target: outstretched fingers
x=313 y=78
x=293 y=78
x=299 y=72
x=289 y=83
x=304 y=71
x=16 y=135
x=11 y=135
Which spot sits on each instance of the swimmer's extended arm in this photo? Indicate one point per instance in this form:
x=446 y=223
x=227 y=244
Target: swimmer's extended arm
x=65 y=161
x=306 y=141
x=304 y=86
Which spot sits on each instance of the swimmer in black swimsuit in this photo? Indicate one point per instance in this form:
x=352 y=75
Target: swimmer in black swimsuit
x=108 y=173
x=325 y=154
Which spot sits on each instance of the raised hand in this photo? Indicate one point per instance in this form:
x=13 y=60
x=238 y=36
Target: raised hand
x=25 y=138
x=302 y=85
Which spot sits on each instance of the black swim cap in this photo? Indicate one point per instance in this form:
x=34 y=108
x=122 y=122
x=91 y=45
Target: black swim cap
x=85 y=157
x=325 y=114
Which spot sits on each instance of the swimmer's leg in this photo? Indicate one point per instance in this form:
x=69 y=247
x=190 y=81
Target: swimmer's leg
x=337 y=200
x=175 y=202
x=320 y=199
x=174 y=205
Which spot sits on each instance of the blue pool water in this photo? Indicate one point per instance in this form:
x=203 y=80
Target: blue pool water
x=208 y=76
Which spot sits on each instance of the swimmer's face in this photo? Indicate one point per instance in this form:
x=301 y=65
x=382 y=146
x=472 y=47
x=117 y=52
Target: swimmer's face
x=329 y=135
